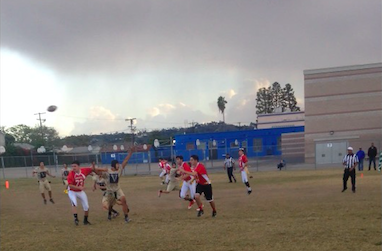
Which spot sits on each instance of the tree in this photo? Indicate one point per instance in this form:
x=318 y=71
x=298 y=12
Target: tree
x=264 y=101
x=21 y=133
x=221 y=105
x=268 y=99
x=25 y=134
x=277 y=96
x=290 y=99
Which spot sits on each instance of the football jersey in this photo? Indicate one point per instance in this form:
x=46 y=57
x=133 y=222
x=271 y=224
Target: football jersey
x=41 y=173
x=100 y=181
x=173 y=174
x=112 y=179
x=167 y=167
x=161 y=165
x=78 y=179
x=202 y=174
x=242 y=160
x=186 y=168
x=65 y=173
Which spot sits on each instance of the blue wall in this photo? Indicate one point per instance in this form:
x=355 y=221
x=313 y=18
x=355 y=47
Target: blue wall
x=269 y=140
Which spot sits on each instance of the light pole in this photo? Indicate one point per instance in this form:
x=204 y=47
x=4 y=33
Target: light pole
x=2 y=150
x=148 y=156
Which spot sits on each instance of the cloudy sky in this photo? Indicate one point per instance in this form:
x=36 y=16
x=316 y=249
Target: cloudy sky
x=165 y=62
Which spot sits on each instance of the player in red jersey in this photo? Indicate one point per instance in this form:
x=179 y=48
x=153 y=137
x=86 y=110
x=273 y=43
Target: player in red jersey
x=243 y=165
x=189 y=183
x=167 y=169
x=76 y=186
x=163 y=173
x=203 y=186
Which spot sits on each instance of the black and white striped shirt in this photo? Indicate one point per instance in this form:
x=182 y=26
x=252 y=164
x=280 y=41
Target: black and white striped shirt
x=229 y=162
x=350 y=160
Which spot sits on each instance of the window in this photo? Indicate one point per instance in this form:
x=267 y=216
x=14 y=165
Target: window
x=190 y=146
x=257 y=145
x=244 y=144
x=202 y=146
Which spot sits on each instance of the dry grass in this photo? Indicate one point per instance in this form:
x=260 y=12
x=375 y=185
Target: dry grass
x=293 y=210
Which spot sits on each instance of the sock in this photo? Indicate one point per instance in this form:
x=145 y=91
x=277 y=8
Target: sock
x=85 y=218
x=109 y=213
x=190 y=200
x=75 y=216
x=213 y=208
x=114 y=211
x=247 y=184
x=201 y=207
x=126 y=216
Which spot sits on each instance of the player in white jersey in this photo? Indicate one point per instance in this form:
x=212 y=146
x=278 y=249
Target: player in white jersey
x=64 y=175
x=99 y=183
x=44 y=183
x=173 y=182
x=111 y=177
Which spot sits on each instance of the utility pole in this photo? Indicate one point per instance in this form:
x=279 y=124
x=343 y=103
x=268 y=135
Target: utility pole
x=239 y=125
x=132 y=130
x=41 y=121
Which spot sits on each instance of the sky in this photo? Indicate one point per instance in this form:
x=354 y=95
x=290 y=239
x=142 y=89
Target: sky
x=166 y=62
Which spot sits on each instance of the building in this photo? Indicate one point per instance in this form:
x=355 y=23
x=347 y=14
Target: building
x=283 y=119
x=343 y=106
x=257 y=143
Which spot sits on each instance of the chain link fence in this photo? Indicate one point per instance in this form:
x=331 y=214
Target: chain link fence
x=261 y=158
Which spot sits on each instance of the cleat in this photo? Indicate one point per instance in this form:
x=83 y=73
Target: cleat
x=200 y=213
x=214 y=214
x=115 y=214
x=51 y=200
x=353 y=190
x=109 y=217
x=343 y=190
x=249 y=192
x=127 y=220
x=191 y=203
x=159 y=193
x=76 y=222
x=86 y=222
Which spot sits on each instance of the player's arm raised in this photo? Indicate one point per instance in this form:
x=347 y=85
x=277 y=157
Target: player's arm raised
x=47 y=172
x=124 y=163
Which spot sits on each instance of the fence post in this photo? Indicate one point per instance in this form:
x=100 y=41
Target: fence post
x=2 y=163
x=149 y=156
x=26 y=170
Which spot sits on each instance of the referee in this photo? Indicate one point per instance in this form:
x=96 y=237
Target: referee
x=350 y=162
x=229 y=163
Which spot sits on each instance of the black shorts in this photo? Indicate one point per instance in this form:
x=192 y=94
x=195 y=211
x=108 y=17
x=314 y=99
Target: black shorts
x=206 y=189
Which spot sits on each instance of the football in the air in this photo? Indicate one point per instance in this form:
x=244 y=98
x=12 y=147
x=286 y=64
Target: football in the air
x=52 y=108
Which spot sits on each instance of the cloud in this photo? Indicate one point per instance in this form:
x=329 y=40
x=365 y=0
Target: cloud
x=100 y=120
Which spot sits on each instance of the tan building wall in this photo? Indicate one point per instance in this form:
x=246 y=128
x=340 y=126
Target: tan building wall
x=284 y=119
x=343 y=104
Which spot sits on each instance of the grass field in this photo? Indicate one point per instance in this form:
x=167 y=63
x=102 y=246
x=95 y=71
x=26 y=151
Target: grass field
x=291 y=210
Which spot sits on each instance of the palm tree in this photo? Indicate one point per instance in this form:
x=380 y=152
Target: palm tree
x=221 y=105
